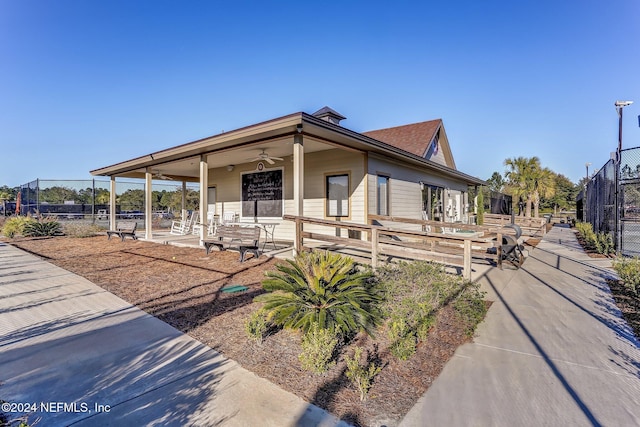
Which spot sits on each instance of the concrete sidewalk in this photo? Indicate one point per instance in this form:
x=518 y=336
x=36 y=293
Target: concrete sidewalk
x=78 y=355
x=552 y=351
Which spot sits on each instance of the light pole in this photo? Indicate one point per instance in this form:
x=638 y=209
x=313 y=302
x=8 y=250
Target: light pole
x=619 y=106
x=618 y=231
x=587 y=166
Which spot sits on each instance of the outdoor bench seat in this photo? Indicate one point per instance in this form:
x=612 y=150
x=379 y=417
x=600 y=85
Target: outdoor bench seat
x=244 y=238
x=124 y=229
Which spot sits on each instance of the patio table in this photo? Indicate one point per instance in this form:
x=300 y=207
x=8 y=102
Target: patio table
x=268 y=227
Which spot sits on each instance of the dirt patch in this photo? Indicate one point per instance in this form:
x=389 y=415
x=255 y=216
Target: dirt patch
x=182 y=287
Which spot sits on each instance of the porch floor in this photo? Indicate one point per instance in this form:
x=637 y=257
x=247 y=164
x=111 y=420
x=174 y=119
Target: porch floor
x=283 y=249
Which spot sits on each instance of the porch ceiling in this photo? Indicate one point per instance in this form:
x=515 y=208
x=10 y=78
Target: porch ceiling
x=188 y=169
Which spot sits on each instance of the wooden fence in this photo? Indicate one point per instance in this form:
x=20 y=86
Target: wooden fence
x=529 y=226
x=454 y=249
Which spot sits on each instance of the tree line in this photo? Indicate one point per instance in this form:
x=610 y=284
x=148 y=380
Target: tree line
x=535 y=187
x=131 y=199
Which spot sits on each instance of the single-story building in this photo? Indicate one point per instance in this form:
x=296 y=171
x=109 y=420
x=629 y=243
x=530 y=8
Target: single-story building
x=310 y=165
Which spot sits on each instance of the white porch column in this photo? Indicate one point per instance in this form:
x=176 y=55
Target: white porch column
x=112 y=203
x=183 y=213
x=148 y=205
x=204 y=195
x=298 y=182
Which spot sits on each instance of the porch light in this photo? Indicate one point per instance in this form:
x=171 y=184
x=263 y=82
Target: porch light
x=230 y=168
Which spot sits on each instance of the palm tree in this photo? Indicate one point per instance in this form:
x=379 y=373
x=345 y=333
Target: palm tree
x=543 y=187
x=521 y=178
x=325 y=289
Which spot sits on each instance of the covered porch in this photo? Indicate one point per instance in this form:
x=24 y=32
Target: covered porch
x=300 y=165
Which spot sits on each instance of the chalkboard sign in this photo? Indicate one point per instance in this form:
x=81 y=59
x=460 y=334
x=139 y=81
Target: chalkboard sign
x=262 y=194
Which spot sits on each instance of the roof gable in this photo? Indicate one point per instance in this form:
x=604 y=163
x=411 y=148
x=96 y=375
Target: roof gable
x=425 y=139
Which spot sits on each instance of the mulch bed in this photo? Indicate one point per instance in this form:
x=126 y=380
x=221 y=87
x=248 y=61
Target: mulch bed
x=626 y=300
x=182 y=287
x=629 y=304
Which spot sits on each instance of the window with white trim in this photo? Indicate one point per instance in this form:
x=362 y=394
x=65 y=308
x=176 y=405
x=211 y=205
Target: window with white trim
x=382 y=192
x=337 y=187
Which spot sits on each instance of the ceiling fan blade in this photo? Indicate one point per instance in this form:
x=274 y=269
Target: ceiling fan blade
x=277 y=158
x=268 y=159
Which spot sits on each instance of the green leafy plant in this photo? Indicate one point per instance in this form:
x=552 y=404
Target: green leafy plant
x=42 y=228
x=470 y=307
x=15 y=226
x=586 y=231
x=414 y=292
x=480 y=208
x=361 y=374
x=403 y=339
x=629 y=271
x=604 y=243
x=257 y=326
x=325 y=289
x=318 y=347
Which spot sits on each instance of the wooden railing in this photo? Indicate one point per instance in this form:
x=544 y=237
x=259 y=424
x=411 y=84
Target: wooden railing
x=450 y=249
x=529 y=226
x=440 y=226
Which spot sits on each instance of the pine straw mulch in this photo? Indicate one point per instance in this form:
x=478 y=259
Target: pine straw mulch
x=626 y=300
x=181 y=286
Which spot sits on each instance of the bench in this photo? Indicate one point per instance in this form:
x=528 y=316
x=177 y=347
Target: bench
x=244 y=238
x=124 y=229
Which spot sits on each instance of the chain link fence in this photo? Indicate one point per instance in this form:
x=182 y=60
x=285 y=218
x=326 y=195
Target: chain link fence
x=612 y=205
x=630 y=201
x=88 y=200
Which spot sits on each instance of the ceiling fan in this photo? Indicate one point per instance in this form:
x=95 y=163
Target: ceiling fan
x=159 y=175
x=264 y=156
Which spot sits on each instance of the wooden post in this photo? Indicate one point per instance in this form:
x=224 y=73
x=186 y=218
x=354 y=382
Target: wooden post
x=148 y=206
x=204 y=196
x=297 y=246
x=466 y=271
x=374 y=248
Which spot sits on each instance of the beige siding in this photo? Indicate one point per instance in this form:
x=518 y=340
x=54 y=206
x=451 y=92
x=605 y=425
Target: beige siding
x=405 y=193
x=317 y=166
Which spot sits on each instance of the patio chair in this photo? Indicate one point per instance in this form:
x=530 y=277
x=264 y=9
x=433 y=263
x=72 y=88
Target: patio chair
x=228 y=216
x=210 y=225
x=184 y=226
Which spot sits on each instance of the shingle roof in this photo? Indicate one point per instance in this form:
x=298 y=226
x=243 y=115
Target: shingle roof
x=414 y=138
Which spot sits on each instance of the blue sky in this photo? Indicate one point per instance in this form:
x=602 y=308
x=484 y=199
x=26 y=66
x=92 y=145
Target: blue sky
x=85 y=84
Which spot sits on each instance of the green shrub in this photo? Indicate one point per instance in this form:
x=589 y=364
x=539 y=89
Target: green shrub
x=325 y=289
x=470 y=307
x=414 y=292
x=586 y=231
x=629 y=271
x=14 y=226
x=604 y=243
x=480 y=208
x=318 y=346
x=361 y=375
x=403 y=338
x=257 y=326
x=44 y=228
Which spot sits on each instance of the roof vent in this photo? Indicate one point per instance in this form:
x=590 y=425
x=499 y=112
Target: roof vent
x=329 y=115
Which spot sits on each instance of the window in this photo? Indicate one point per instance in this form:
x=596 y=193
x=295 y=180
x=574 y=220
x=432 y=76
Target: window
x=382 y=189
x=338 y=195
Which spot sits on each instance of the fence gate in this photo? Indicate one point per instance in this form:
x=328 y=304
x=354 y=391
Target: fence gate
x=630 y=202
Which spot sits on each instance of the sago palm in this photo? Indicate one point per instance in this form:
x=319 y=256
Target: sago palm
x=325 y=289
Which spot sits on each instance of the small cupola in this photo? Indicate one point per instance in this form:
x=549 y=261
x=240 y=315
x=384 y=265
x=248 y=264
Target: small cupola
x=329 y=115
